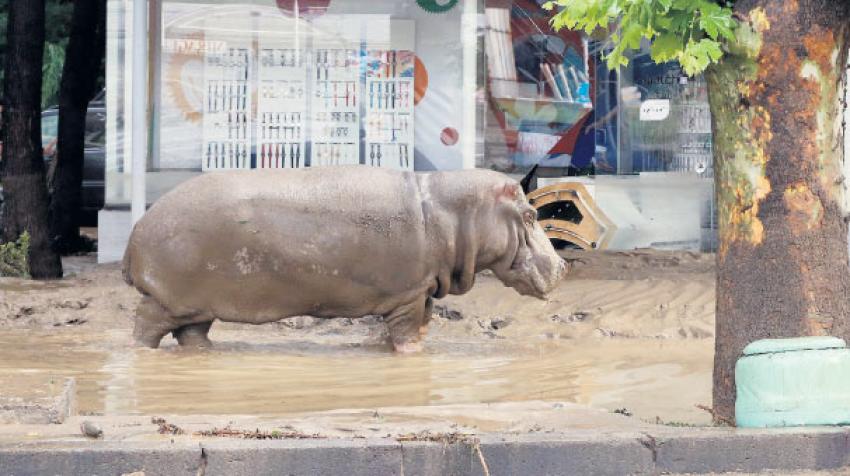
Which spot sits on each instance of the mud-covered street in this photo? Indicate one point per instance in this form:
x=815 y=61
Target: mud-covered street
x=626 y=332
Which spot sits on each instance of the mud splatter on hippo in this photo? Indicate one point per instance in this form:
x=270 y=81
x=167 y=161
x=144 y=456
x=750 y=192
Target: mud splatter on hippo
x=259 y=246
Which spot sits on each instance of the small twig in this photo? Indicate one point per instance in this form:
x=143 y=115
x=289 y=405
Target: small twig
x=166 y=428
x=710 y=410
x=202 y=467
x=258 y=435
x=445 y=438
x=449 y=439
x=477 y=447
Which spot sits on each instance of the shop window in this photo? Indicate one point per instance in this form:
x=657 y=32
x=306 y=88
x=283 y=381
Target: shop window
x=281 y=91
x=539 y=91
x=414 y=85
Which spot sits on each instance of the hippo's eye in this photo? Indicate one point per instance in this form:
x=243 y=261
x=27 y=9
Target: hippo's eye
x=529 y=217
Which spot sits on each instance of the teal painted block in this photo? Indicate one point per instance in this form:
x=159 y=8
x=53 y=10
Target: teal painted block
x=793 y=382
x=768 y=346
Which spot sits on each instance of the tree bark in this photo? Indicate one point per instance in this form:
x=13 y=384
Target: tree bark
x=83 y=60
x=24 y=187
x=777 y=107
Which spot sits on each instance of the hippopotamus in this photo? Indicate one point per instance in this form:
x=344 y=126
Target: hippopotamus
x=256 y=246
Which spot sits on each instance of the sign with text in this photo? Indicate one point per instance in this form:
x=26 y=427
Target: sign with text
x=655 y=110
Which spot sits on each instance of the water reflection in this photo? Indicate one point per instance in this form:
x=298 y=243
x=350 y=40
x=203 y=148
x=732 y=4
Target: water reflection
x=649 y=377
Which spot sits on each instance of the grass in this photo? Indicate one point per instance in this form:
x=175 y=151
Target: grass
x=13 y=258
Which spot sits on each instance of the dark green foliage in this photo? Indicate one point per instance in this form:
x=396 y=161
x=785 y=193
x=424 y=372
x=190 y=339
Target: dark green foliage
x=13 y=258
x=688 y=31
x=58 y=26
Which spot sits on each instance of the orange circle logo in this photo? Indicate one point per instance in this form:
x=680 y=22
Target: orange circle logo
x=420 y=79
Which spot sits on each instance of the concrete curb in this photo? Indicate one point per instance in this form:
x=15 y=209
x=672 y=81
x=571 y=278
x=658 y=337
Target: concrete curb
x=580 y=453
x=53 y=409
x=753 y=450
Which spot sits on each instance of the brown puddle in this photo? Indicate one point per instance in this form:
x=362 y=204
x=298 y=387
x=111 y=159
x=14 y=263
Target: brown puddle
x=25 y=285
x=651 y=378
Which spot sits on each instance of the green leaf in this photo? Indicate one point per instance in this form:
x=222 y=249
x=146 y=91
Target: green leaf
x=685 y=4
x=665 y=47
x=699 y=54
x=632 y=34
x=665 y=4
x=51 y=72
x=680 y=20
x=689 y=31
x=715 y=20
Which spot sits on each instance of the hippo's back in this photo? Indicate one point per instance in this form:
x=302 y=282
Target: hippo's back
x=239 y=234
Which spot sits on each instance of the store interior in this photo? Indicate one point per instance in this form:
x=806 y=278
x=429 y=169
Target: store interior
x=416 y=85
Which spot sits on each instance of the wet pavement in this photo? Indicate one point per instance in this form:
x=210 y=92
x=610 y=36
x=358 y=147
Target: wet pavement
x=246 y=373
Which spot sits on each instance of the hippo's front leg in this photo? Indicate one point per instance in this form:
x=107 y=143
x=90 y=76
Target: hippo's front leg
x=408 y=324
x=426 y=317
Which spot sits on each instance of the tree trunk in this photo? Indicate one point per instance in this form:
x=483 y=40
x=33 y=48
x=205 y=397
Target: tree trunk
x=83 y=60
x=24 y=187
x=777 y=106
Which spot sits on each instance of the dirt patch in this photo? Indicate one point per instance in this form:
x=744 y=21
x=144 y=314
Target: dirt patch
x=257 y=434
x=640 y=294
x=623 y=329
x=92 y=296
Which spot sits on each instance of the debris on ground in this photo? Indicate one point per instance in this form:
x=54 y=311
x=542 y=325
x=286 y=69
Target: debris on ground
x=578 y=316
x=166 y=428
x=445 y=438
x=285 y=434
x=91 y=429
x=494 y=323
x=445 y=312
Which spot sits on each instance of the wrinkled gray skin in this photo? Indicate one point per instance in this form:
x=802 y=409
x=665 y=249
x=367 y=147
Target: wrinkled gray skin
x=259 y=246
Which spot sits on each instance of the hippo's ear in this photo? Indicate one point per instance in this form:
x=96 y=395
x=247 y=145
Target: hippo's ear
x=509 y=192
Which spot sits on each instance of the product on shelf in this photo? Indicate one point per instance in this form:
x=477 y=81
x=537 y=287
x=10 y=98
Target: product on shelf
x=307 y=110
x=335 y=135
x=281 y=108
x=389 y=110
x=227 y=109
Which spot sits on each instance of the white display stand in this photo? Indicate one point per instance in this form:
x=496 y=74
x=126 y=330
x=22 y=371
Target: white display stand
x=388 y=97
x=281 y=107
x=311 y=107
x=228 y=99
x=227 y=109
x=335 y=131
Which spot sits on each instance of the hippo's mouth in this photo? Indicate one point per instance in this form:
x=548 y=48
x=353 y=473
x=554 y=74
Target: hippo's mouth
x=529 y=290
x=526 y=280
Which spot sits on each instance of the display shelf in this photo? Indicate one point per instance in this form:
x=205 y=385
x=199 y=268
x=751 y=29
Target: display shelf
x=388 y=101
x=335 y=128
x=281 y=108
x=311 y=107
x=227 y=109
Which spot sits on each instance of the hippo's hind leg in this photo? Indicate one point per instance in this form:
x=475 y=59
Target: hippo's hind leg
x=426 y=316
x=193 y=335
x=152 y=323
x=408 y=324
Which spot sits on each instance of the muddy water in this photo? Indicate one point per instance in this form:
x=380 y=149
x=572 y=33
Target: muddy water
x=26 y=285
x=651 y=378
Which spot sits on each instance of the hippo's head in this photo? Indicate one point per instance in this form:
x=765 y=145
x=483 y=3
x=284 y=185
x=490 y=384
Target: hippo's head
x=529 y=262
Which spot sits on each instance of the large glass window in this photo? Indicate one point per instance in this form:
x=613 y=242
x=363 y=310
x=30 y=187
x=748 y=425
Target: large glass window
x=418 y=85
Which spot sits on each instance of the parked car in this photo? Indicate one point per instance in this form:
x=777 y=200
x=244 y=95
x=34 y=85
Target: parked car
x=94 y=159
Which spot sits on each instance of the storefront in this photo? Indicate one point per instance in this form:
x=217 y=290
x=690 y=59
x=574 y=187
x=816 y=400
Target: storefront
x=406 y=84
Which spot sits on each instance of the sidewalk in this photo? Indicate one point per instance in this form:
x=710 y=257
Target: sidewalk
x=527 y=438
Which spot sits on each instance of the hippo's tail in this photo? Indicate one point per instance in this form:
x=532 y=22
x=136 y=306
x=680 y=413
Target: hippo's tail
x=125 y=268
